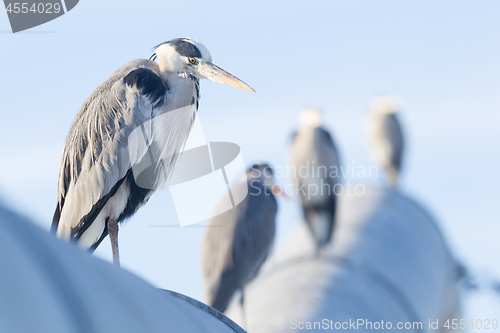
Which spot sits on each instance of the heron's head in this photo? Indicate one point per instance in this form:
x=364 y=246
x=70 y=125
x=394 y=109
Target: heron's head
x=384 y=105
x=261 y=171
x=187 y=55
x=264 y=174
x=310 y=118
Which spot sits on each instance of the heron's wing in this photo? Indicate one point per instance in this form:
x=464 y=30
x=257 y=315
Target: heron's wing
x=216 y=251
x=325 y=137
x=108 y=136
x=328 y=154
x=319 y=157
x=394 y=135
x=255 y=231
x=317 y=190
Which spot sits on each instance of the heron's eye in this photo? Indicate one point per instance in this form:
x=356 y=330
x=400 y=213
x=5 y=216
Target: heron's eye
x=192 y=60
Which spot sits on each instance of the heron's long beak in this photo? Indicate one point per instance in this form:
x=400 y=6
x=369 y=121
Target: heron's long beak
x=217 y=74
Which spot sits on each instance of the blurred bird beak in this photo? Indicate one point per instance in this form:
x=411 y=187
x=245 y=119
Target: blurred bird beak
x=278 y=190
x=216 y=74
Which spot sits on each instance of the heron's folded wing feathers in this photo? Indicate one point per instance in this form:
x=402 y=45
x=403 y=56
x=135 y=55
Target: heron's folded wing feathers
x=108 y=136
x=393 y=131
x=329 y=155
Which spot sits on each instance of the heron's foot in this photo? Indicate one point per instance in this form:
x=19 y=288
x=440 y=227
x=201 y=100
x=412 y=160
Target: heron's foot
x=317 y=252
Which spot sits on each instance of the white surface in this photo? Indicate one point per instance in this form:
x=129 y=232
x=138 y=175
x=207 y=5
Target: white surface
x=387 y=261
x=47 y=285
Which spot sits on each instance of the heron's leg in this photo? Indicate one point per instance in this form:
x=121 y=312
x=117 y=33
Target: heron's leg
x=393 y=176
x=317 y=251
x=113 y=237
x=242 y=306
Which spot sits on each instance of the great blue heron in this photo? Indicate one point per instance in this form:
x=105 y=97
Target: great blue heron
x=315 y=162
x=97 y=182
x=237 y=242
x=386 y=137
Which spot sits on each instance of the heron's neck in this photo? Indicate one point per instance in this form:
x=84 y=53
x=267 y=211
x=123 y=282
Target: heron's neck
x=180 y=81
x=165 y=75
x=183 y=89
x=309 y=127
x=168 y=76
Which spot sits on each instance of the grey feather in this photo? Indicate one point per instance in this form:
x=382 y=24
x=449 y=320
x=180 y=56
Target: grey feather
x=395 y=136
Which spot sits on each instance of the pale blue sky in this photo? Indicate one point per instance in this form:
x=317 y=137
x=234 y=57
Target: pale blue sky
x=441 y=58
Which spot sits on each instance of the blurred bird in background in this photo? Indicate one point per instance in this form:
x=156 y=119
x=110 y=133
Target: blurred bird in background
x=316 y=165
x=237 y=242
x=386 y=137
x=97 y=185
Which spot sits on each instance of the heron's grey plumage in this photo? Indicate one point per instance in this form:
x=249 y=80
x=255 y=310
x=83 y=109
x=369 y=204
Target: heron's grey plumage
x=315 y=162
x=386 y=136
x=237 y=242
x=96 y=178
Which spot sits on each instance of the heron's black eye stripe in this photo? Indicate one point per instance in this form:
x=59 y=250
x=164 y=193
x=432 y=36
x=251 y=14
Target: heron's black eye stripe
x=185 y=48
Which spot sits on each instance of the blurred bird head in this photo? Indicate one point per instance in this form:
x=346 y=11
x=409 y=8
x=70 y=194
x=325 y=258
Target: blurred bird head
x=263 y=173
x=190 y=57
x=384 y=105
x=310 y=118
